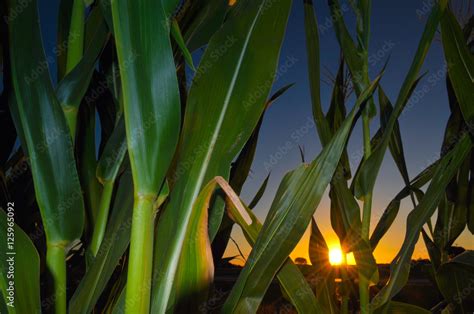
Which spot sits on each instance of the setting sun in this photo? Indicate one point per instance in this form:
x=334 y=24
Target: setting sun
x=335 y=256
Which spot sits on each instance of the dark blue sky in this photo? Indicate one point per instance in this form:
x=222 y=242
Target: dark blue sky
x=396 y=29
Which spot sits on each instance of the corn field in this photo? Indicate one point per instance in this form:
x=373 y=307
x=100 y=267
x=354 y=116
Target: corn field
x=134 y=219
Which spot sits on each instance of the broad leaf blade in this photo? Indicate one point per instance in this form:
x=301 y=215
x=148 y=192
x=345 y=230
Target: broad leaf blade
x=221 y=112
x=42 y=121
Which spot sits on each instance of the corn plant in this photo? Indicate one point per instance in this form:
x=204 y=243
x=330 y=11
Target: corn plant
x=134 y=219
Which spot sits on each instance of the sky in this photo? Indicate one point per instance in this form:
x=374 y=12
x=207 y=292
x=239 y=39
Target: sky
x=396 y=30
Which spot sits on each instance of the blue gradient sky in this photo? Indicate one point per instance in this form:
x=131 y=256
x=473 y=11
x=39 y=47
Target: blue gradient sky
x=396 y=29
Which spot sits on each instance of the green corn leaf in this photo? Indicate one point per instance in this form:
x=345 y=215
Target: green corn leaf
x=241 y=167
x=337 y=113
x=433 y=251
x=455 y=124
x=87 y=163
x=390 y=213
x=452 y=217
x=151 y=111
x=297 y=198
x=400 y=267
x=312 y=51
x=178 y=38
x=106 y=8
x=72 y=88
x=113 y=155
x=221 y=113
x=395 y=145
x=259 y=193
x=49 y=146
x=355 y=56
x=365 y=178
x=346 y=43
x=64 y=23
x=152 y=121
x=201 y=20
x=46 y=134
x=394 y=307
x=460 y=63
x=455 y=279
x=20 y=264
x=363 y=24
x=106 y=172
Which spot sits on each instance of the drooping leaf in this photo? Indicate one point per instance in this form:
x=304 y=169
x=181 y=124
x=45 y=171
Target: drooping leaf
x=291 y=280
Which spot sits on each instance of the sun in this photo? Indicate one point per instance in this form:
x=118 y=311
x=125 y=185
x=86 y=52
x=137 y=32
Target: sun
x=335 y=256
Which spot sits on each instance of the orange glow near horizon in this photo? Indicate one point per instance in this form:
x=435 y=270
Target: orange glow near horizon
x=384 y=253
